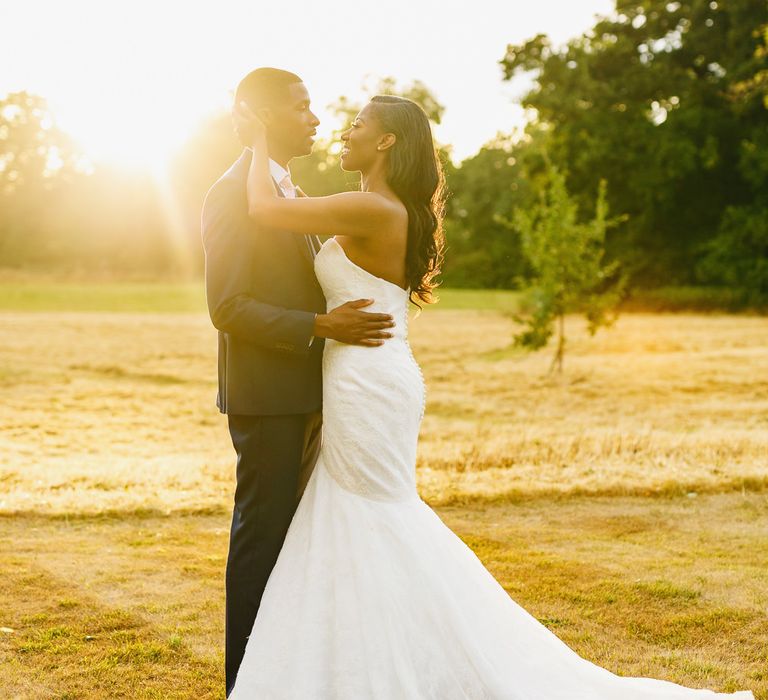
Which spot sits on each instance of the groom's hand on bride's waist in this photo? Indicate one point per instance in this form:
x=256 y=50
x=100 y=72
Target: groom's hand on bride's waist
x=348 y=324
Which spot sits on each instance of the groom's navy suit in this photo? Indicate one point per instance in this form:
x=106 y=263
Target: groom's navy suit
x=262 y=297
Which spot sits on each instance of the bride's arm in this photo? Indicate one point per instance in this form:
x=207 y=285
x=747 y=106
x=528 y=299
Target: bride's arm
x=359 y=214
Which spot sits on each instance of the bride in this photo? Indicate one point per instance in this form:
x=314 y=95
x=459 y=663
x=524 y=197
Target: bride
x=372 y=596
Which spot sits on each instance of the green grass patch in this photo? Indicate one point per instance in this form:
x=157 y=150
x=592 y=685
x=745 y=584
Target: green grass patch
x=91 y=650
x=682 y=298
x=189 y=297
x=108 y=297
x=116 y=297
x=499 y=300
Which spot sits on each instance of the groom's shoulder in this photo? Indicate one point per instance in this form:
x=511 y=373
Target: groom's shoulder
x=225 y=186
x=222 y=203
x=229 y=184
x=225 y=191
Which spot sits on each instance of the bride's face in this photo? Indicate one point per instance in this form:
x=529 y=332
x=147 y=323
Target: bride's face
x=361 y=142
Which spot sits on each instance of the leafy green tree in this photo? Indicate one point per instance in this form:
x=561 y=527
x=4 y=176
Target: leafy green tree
x=758 y=83
x=737 y=255
x=645 y=100
x=482 y=251
x=569 y=274
x=346 y=109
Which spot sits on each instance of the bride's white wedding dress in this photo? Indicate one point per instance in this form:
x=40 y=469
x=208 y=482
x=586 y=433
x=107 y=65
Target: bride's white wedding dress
x=372 y=596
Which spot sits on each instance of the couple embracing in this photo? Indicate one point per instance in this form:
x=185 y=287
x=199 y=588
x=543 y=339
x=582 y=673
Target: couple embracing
x=341 y=583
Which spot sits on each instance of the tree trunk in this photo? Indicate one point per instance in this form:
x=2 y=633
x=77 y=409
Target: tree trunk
x=557 y=360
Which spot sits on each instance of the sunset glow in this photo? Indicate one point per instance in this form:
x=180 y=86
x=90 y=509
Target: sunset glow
x=131 y=81
x=135 y=139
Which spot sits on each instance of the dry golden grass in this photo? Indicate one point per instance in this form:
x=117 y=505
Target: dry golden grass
x=624 y=504
x=130 y=606
x=116 y=411
x=659 y=404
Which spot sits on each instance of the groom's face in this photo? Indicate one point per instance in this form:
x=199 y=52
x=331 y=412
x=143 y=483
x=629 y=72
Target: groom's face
x=293 y=125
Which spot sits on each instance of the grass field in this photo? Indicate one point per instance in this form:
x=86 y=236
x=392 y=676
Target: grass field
x=37 y=295
x=624 y=504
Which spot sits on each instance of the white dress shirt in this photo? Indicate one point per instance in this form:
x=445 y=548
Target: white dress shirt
x=283 y=179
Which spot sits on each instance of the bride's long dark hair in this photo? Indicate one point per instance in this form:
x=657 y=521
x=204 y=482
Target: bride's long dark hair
x=416 y=176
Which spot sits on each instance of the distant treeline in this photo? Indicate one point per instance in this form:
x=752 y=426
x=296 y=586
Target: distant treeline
x=666 y=101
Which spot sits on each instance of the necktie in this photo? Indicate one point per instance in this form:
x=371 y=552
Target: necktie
x=288 y=188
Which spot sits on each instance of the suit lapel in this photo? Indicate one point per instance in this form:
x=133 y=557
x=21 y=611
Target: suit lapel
x=303 y=242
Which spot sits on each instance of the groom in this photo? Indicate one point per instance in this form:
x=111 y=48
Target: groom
x=269 y=309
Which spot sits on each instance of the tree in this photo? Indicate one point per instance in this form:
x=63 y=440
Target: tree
x=737 y=255
x=758 y=83
x=645 y=99
x=60 y=211
x=569 y=274
x=417 y=91
x=33 y=151
x=482 y=250
x=36 y=159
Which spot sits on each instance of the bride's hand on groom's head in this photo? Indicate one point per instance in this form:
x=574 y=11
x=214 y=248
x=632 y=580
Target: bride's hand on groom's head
x=248 y=125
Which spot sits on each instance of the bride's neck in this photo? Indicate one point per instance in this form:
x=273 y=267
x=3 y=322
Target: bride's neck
x=374 y=180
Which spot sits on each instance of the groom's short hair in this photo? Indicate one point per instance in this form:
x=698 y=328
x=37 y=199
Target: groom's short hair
x=265 y=86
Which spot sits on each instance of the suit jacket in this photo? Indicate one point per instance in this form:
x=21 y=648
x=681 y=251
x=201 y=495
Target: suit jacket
x=262 y=297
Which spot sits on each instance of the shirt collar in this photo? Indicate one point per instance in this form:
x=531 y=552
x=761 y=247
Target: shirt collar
x=277 y=171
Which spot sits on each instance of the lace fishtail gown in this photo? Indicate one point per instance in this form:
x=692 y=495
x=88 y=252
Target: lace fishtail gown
x=372 y=596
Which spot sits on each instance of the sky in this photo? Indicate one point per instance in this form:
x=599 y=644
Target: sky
x=132 y=80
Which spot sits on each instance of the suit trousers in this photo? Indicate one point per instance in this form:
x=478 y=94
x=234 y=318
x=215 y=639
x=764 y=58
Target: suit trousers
x=275 y=458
